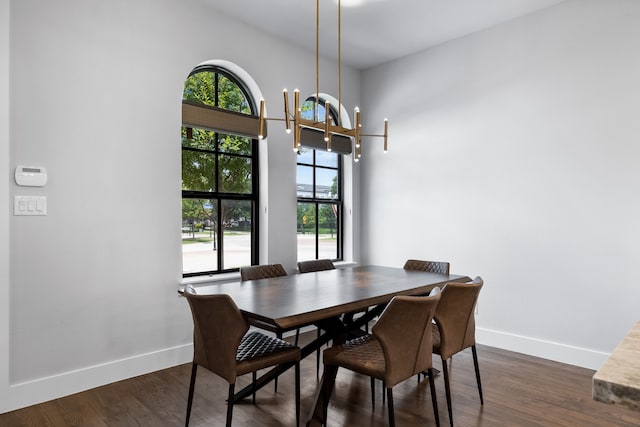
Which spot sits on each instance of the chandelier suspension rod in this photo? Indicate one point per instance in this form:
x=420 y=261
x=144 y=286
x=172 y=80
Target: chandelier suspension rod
x=316 y=108
x=339 y=67
x=326 y=126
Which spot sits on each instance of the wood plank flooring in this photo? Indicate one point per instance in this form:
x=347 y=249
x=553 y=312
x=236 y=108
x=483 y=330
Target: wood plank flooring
x=519 y=390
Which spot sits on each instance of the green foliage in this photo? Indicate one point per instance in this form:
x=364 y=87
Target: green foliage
x=201 y=88
x=327 y=216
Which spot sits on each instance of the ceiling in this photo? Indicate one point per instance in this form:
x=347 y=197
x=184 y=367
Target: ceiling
x=375 y=31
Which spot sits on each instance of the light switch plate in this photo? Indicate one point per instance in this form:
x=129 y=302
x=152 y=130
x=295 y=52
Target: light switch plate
x=30 y=205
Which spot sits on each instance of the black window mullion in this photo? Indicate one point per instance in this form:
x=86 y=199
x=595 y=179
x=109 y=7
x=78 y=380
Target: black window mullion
x=317 y=207
x=255 y=203
x=219 y=233
x=216 y=89
x=313 y=181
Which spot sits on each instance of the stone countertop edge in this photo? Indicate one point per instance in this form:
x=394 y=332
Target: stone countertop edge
x=618 y=380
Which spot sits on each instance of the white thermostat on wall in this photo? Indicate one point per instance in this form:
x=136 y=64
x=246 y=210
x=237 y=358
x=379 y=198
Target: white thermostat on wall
x=31 y=176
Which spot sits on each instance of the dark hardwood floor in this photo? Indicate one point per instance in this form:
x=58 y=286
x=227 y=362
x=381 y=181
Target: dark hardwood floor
x=519 y=390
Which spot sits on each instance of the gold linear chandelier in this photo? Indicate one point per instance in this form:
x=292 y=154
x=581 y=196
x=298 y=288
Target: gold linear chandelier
x=303 y=126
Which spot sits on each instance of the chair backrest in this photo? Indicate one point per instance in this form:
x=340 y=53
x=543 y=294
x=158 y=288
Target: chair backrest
x=430 y=266
x=405 y=335
x=455 y=316
x=218 y=328
x=255 y=272
x=315 y=265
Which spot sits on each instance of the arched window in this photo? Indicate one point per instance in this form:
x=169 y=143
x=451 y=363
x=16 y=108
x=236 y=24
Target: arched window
x=319 y=190
x=219 y=174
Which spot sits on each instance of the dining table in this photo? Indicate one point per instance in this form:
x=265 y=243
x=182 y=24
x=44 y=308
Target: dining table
x=322 y=299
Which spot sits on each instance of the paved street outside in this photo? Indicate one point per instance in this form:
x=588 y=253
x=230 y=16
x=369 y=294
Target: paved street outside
x=201 y=256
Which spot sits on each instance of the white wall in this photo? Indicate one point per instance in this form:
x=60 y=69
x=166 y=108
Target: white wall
x=4 y=195
x=514 y=155
x=95 y=98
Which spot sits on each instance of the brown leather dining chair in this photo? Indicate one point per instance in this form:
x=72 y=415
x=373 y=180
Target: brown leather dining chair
x=315 y=265
x=430 y=266
x=399 y=347
x=309 y=267
x=221 y=345
x=440 y=267
x=266 y=271
x=455 y=327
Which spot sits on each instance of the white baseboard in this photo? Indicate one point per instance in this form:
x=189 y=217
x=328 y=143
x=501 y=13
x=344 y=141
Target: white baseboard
x=44 y=389
x=563 y=353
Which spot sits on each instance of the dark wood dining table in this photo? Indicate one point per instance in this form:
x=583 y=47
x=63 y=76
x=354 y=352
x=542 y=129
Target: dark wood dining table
x=320 y=299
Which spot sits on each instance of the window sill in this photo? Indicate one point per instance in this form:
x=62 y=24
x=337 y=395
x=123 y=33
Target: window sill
x=233 y=277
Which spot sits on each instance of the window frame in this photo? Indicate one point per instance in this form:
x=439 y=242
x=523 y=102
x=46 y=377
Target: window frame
x=316 y=201
x=218 y=196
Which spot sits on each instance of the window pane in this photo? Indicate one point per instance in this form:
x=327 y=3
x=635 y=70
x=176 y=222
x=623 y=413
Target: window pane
x=199 y=246
x=234 y=144
x=307 y=111
x=325 y=158
x=306 y=231
x=198 y=169
x=305 y=155
x=236 y=216
x=327 y=231
x=200 y=88
x=230 y=96
x=326 y=183
x=235 y=174
x=198 y=138
x=304 y=181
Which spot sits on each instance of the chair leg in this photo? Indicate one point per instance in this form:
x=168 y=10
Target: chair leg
x=230 y=404
x=329 y=376
x=475 y=365
x=298 y=394
x=275 y=380
x=434 y=398
x=373 y=393
x=192 y=384
x=392 y=418
x=297 y=336
x=318 y=356
x=447 y=389
x=383 y=391
x=254 y=375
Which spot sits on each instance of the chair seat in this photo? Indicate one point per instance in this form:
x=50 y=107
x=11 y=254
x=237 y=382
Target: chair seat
x=363 y=355
x=258 y=351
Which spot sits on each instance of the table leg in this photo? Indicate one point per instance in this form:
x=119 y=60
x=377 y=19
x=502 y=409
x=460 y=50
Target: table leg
x=323 y=393
x=318 y=414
